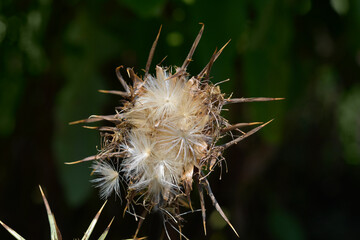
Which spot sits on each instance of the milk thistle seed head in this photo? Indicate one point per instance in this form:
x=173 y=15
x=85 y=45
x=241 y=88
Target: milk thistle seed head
x=163 y=138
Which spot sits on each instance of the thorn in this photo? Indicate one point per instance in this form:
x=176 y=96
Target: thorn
x=224 y=81
x=140 y=223
x=162 y=61
x=257 y=99
x=93 y=223
x=213 y=58
x=242 y=137
x=48 y=210
x=103 y=235
x=91 y=158
x=97 y=118
x=91 y=127
x=121 y=79
x=77 y=122
x=120 y=93
x=108 y=227
x=97 y=157
x=54 y=230
x=239 y=125
x=151 y=54
x=109 y=129
x=193 y=47
x=202 y=203
x=11 y=231
x=217 y=206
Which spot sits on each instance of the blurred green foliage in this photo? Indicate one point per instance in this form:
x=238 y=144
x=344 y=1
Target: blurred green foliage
x=294 y=180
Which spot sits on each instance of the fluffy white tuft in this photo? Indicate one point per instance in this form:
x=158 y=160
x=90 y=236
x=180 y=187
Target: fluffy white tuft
x=140 y=152
x=107 y=179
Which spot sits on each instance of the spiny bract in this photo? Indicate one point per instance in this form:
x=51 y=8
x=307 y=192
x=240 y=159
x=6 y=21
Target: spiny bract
x=165 y=137
x=54 y=230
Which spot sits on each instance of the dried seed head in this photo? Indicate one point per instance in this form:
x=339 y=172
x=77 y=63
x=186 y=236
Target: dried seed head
x=165 y=134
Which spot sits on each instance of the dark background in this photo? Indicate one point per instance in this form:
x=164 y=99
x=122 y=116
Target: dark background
x=296 y=179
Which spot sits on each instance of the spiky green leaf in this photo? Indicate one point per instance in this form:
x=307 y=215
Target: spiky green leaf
x=12 y=232
x=103 y=236
x=92 y=224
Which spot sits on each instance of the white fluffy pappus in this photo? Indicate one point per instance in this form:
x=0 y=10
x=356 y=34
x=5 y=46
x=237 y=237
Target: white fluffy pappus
x=107 y=178
x=161 y=97
x=185 y=138
x=139 y=150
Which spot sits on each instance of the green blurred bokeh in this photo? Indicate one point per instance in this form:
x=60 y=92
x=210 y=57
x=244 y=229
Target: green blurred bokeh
x=296 y=179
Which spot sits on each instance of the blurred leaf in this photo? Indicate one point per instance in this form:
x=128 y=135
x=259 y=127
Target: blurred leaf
x=266 y=65
x=30 y=33
x=77 y=100
x=10 y=94
x=303 y=6
x=340 y=6
x=145 y=8
x=72 y=143
x=217 y=236
x=174 y=39
x=349 y=124
x=12 y=85
x=2 y=30
x=189 y=2
x=284 y=226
